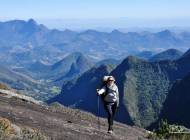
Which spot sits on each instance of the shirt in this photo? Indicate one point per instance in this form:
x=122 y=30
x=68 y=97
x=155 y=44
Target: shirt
x=112 y=93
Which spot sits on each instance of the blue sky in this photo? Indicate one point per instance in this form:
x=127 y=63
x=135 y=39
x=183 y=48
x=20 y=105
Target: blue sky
x=94 y=11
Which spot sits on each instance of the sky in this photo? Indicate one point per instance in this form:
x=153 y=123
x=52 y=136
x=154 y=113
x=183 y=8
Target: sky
x=99 y=13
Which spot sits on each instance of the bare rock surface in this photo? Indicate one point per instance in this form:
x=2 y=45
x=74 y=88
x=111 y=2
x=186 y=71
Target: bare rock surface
x=62 y=123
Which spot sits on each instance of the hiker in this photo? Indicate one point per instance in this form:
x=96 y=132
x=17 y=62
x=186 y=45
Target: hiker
x=110 y=95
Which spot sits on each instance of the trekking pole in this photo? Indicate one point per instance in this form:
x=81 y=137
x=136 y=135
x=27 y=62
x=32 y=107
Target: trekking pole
x=98 y=112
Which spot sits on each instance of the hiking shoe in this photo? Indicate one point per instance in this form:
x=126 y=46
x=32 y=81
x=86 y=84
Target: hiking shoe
x=110 y=131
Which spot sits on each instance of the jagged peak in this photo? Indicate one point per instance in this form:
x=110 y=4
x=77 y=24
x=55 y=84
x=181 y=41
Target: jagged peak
x=76 y=54
x=115 y=31
x=170 y=51
x=68 y=31
x=107 y=67
x=169 y=54
x=14 y=21
x=164 y=33
x=29 y=25
x=89 y=32
x=30 y=21
x=72 y=57
x=133 y=59
x=73 y=54
x=128 y=62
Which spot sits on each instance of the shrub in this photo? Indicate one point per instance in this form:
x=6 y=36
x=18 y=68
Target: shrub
x=7 y=132
x=3 y=86
x=34 y=134
x=5 y=128
x=170 y=132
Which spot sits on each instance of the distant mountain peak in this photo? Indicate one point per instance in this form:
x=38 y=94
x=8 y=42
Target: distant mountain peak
x=116 y=32
x=77 y=54
x=73 y=64
x=133 y=59
x=68 y=31
x=164 y=33
x=170 y=54
x=145 y=54
x=89 y=32
x=106 y=67
x=130 y=61
x=172 y=51
x=32 y=21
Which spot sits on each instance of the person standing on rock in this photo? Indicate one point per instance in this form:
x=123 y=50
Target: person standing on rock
x=110 y=95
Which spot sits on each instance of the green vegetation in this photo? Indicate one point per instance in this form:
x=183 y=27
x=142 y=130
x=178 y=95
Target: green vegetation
x=144 y=88
x=27 y=134
x=7 y=132
x=24 y=84
x=3 y=86
x=170 y=132
x=5 y=128
x=176 y=105
x=152 y=90
x=55 y=90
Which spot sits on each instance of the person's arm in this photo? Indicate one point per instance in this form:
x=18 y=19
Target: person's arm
x=117 y=93
x=101 y=91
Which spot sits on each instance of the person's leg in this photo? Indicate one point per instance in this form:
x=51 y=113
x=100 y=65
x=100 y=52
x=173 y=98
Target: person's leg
x=114 y=109
x=110 y=116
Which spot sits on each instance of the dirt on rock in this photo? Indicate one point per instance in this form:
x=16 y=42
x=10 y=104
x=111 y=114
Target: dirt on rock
x=62 y=123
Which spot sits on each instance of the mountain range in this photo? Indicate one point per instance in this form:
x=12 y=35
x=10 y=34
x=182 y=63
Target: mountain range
x=26 y=42
x=43 y=81
x=144 y=87
x=66 y=69
x=39 y=60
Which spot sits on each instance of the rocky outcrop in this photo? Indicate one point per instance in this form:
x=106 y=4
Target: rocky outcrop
x=58 y=122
